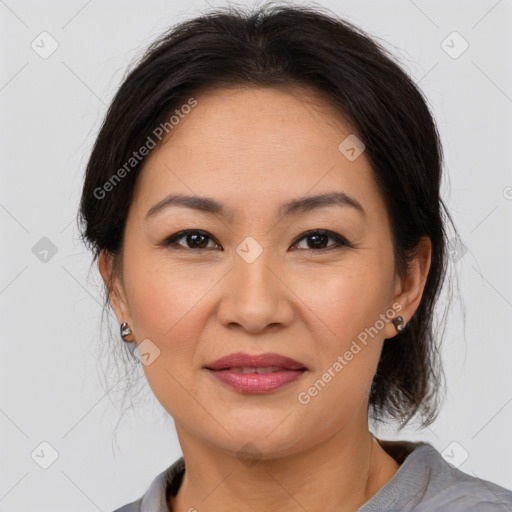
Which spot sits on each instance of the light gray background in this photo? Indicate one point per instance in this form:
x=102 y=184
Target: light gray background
x=50 y=311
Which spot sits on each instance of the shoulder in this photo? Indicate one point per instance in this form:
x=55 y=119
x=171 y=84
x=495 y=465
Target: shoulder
x=426 y=482
x=450 y=487
x=155 y=498
x=470 y=497
x=453 y=489
x=134 y=506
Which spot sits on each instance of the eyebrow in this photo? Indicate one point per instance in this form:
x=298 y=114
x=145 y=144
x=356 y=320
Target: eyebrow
x=293 y=207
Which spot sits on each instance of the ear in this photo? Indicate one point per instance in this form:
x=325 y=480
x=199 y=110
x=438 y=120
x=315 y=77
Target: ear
x=409 y=290
x=116 y=293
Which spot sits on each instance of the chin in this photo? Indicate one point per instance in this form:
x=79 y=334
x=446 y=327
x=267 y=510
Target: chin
x=267 y=440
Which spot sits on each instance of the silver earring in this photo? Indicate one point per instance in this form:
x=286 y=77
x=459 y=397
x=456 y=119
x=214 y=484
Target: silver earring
x=125 y=331
x=131 y=344
x=399 y=323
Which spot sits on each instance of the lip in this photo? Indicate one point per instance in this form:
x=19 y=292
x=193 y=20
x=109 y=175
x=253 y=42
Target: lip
x=256 y=383
x=240 y=359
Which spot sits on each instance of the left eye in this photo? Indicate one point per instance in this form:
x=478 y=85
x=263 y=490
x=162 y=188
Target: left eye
x=320 y=237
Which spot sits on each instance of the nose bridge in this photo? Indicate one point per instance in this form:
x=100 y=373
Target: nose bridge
x=253 y=269
x=255 y=297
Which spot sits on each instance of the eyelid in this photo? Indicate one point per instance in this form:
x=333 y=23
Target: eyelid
x=340 y=241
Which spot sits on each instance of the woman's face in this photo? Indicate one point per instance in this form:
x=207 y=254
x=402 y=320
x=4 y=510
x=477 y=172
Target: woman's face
x=251 y=279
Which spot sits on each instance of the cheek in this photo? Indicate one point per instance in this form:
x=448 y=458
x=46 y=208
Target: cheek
x=347 y=301
x=167 y=307
x=164 y=304
x=163 y=298
x=346 y=310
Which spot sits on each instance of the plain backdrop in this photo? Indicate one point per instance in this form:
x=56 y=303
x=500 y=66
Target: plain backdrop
x=50 y=301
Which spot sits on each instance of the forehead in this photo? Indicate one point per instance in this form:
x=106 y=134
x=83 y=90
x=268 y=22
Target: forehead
x=258 y=145
x=244 y=120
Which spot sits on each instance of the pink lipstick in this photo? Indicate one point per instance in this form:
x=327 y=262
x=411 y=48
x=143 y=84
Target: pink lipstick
x=261 y=373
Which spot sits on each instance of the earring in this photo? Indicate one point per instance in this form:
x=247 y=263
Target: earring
x=131 y=344
x=125 y=331
x=399 y=323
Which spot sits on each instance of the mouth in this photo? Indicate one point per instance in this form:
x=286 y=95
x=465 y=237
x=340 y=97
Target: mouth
x=261 y=373
x=268 y=362
x=255 y=369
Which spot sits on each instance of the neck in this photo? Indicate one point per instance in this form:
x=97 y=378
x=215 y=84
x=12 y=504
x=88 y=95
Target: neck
x=340 y=474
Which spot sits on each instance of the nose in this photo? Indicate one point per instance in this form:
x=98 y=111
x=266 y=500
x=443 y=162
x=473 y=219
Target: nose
x=255 y=296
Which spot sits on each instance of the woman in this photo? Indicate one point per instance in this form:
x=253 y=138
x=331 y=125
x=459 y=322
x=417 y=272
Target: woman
x=263 y=201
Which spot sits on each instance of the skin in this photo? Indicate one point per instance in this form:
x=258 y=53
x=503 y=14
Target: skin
x=253 y=149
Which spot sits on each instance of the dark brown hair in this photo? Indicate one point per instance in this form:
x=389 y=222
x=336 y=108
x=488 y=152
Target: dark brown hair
x=284 y=46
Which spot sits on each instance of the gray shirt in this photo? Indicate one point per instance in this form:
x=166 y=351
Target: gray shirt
x=424 y=482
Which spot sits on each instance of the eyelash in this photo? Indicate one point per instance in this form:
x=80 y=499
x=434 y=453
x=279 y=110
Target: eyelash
x=340 y=241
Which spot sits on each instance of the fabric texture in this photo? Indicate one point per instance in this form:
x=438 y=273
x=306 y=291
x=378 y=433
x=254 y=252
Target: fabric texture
x=425 y=482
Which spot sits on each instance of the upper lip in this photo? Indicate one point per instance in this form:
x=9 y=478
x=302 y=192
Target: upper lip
x=241 y=360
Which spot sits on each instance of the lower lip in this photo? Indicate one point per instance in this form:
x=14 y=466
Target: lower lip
x=256 y=382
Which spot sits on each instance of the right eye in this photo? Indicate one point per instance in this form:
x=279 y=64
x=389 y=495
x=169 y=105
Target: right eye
x=194 y=238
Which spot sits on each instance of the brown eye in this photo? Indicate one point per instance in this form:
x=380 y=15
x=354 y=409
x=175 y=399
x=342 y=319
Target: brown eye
x=193 y=239
x=319 y=240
